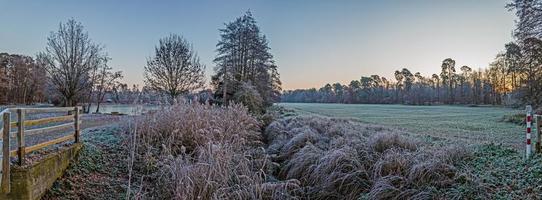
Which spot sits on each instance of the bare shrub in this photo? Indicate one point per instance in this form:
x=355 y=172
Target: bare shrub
x=249 y=96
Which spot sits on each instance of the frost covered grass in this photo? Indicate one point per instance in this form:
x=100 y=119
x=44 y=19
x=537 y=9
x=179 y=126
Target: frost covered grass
x=474 y=125
x=500 y=172
x=495 y=168
x=344 y=159
x=100 y=172
x=192 y=151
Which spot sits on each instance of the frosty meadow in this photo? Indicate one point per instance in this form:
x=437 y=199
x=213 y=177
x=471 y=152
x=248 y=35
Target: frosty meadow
x=271 y=100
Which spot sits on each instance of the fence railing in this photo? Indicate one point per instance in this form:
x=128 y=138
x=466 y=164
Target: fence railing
x=21 y=133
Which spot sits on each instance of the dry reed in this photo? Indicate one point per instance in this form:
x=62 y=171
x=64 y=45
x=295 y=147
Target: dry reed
x=194 y=151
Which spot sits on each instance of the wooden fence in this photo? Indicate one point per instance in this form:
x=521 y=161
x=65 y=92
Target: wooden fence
x=21 y=133
x=538 y=145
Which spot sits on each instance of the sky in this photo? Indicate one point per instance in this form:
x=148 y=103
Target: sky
x=313 y=42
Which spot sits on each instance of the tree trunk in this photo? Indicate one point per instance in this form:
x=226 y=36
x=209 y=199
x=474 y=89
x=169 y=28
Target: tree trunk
x=225 y=87
x=88 y=107
x=97 y=107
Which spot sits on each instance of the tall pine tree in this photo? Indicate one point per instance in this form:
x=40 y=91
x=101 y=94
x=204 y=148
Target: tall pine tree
x=243 y=61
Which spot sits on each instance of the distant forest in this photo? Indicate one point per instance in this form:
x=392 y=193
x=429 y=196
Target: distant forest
x=500 y=84
x=513 y=78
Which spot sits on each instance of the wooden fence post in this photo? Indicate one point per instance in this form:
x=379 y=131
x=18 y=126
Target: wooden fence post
x=6 y=185
x=77 y=125
x=20 y=136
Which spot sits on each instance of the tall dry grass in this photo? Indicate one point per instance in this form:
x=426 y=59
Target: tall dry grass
x=184 y=127
x=342 y=159
x=193 y=151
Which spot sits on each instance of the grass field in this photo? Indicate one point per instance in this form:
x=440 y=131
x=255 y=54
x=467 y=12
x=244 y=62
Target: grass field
x=449 y=123
x=497 y=168
x=302 y=155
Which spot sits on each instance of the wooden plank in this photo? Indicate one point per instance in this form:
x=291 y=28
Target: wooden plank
x=39 y=130
x=48 y=129
x=77 y=125
x=20 y=136
x=45 y=120
x=51 y=109
x=49 y=143
x=5 y=185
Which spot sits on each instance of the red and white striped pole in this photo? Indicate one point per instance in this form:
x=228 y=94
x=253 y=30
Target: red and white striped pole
x=529 y=122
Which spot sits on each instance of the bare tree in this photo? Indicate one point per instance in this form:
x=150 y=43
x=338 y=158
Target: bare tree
x=93 y=80
x=20 y=81
x=175 y=68
x=69 y=57
x=106 y=81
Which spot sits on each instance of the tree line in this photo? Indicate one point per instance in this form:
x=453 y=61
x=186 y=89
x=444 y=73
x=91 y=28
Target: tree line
x=245 y=71
x=20 y=80
x=74 y=70
x=451 y=86
x=513 y=78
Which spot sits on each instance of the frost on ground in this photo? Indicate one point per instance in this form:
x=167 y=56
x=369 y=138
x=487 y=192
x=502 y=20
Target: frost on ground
x=440 y=124
x=342 y=159
x=100 y=171
x=195 y=151
x=206 y=152
x=481 y=170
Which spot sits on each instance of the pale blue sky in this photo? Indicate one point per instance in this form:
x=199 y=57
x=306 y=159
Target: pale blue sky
x=314 y=42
